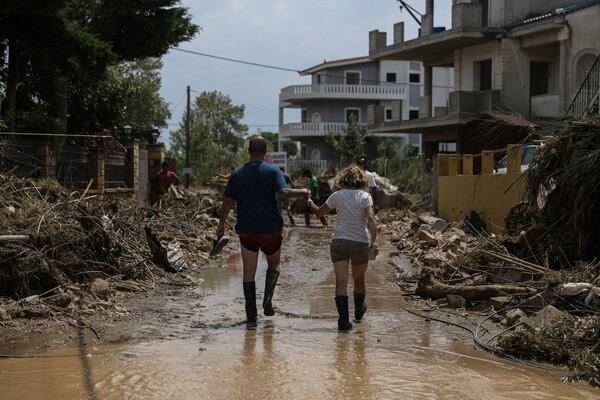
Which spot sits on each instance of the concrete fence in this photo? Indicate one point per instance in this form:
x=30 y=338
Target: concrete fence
x=458 y=189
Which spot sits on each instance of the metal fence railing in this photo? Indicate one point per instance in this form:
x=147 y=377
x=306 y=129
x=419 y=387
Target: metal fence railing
x=72 y=167
x=18 y=155
x=114 y=170
x=587 y=99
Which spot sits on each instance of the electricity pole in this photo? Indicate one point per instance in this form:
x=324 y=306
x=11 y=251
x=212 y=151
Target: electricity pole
x=187 y=170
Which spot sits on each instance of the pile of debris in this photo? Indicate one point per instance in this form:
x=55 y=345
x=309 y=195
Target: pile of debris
x=457 y=266
x=58 y=245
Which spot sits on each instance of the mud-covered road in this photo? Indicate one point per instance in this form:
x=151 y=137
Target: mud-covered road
x=194 y=344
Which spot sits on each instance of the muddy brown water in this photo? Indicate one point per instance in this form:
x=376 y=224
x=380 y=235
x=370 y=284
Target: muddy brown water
x=207 y=352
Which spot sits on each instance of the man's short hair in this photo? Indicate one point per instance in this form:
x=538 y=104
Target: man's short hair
x=361 y=159
x=257 y=145
x=165 y=164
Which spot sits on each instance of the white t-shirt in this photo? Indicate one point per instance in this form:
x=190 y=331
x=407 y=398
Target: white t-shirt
x=350 y=206
x=370 y=178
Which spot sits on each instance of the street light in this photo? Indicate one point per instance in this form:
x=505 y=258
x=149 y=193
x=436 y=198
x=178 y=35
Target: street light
x=154 y=137
x=127 y=130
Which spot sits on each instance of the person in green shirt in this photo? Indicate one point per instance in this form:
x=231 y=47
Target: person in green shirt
x=313 y=186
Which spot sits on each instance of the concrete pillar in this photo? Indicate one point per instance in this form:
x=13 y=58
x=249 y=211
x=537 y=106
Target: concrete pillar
x=399 y=32
x=487 y=162
x=467 y=161
x=513 y=154
x=46 y=157
x=428 y=88
x=132 y=164
x=96 y=169
x=563 y=65
x=443 y=165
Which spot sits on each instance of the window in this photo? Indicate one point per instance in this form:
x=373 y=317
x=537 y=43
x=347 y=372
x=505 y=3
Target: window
x=303 y=115
x=352 y=78
x=353 y=112
x=413 y=114
x=316 y=118
x=414 y=78
x=390 y=77
x=388 y=114
x=315 y=155
x=318 y=77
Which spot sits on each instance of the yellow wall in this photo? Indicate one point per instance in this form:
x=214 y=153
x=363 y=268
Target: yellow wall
x=491 y=195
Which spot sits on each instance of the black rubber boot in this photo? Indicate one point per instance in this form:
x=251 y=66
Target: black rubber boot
x=360 y=306
x=307 y=218
x=323 y=221
x=270 y=282
x=292 y=223
x=341 y=302
x=250 y=296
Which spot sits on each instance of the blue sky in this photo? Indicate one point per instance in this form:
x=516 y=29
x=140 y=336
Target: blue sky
x=284 y=33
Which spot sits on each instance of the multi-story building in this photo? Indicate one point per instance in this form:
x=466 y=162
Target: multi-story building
x=342 y=88
x=521 y=57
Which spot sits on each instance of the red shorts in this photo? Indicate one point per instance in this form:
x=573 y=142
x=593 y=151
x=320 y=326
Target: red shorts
x=269 y=243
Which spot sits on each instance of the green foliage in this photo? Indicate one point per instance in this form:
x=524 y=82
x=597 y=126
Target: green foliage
x=272 y=140
x=62 y=49
x=216 y=135
x=350 y=144
x=290 y=147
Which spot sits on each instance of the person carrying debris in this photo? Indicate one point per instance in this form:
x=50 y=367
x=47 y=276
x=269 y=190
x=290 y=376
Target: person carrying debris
x=283 y=202
x=372 y=185
x=252 y=188
x=313 y=186
x=354 y=239
x=162 y=181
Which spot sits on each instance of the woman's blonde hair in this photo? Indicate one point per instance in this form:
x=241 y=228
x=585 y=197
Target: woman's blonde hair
x=351 y=177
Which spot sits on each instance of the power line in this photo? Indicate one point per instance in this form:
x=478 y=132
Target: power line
x=374 y=81
x=235 y=60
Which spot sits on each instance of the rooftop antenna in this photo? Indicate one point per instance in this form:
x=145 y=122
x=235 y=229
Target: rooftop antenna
x=411 y=10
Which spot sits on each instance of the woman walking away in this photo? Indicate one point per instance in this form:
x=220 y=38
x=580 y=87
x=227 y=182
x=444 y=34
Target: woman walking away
x=354 y=236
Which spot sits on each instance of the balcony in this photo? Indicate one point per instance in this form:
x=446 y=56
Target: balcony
x=315 y=129
x=298 y=93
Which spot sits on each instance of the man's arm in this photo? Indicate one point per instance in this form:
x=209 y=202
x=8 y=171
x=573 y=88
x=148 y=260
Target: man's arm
x=228 y=204
x=289 y=193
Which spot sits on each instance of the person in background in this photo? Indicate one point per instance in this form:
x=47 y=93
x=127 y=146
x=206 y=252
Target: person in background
x=313 y=187
x=284 y=203
x=355 y=235
x=251 y=189
x=372 y=185
x=162 y=181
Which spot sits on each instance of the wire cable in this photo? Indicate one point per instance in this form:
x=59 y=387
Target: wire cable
x=485 y=346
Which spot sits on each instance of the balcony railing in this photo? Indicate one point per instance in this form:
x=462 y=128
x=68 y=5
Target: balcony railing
x=366 y=92
x=312 y=128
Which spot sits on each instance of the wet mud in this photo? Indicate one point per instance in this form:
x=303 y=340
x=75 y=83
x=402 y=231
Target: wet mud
x=196 y=345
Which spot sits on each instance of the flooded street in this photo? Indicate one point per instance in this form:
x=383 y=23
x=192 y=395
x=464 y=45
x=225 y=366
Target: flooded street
x=208 y=352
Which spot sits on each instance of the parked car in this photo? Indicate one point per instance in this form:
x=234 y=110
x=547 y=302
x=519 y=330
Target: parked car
x=527 y=154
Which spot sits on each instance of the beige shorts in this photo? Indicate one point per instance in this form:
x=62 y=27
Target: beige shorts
x=343 y=250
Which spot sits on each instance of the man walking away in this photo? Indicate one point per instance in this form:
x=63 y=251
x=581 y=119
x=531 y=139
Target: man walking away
x=251 y=189
x=362 y=163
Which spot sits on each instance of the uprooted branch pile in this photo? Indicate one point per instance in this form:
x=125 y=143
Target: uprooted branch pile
x=561 y=195
x=51 y=236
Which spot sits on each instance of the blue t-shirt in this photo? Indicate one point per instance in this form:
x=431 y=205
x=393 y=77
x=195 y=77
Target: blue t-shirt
x=253 y=187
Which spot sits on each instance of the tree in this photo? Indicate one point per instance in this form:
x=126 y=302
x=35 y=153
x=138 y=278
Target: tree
x=49 y=47
x=216 y=135
x=290 y=147
x=350 y=144
x=128 y=96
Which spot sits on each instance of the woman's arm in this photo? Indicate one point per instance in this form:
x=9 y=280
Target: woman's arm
x=371 y=224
